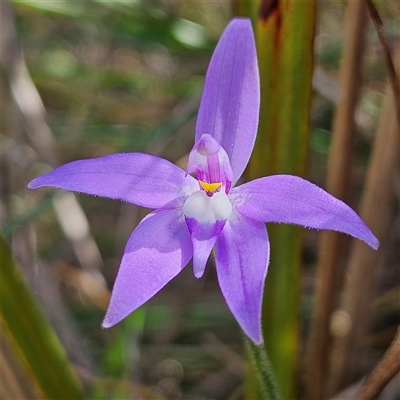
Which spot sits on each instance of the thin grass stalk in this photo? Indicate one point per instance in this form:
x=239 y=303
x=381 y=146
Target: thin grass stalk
x=363 y=271
x=329 y=270
x=380 y=30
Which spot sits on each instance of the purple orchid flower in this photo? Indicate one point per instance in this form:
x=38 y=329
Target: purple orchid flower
x=192 y=216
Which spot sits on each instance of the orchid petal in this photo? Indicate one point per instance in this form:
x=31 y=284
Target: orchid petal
x=293 y=200
x=242 y=257
x=158 y=249
x=209 y=161
x=137 y=178
x=204 y=237
x=205 y=217
x=230 y=103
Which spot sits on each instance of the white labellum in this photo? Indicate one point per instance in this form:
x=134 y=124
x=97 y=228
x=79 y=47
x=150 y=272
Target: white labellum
x=207 y=209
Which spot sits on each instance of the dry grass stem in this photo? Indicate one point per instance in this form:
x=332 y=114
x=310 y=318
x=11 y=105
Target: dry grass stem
x=380 y=29
x=387 y=368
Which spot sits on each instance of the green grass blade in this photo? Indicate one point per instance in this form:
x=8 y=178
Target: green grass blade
x=32 y=338
x=284 y=34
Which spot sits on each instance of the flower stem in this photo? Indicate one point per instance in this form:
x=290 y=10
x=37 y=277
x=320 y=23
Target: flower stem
x=269 y=385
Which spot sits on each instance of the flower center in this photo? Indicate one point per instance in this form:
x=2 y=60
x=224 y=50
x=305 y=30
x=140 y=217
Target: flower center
x=206 y=209
x=210 y=188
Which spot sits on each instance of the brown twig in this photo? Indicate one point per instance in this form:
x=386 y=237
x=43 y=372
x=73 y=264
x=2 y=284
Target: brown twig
x=380 y=30
x=387 y=368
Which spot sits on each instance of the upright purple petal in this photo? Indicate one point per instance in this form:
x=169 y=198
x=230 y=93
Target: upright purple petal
x=142 y=179
x=290 y=199
x=209 y=161
x=230 y=103
x=158 y=249
x=242 y=257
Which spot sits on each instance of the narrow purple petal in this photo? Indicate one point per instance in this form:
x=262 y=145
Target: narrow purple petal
x=142 y=179
x=230 y=103
x=203 y=236
x=242 y=257
x=158 y=249
x=293 y=200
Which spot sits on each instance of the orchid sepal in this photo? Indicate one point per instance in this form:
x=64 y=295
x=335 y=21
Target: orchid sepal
x=293 y=200
x=142 y=179
x=230 y=104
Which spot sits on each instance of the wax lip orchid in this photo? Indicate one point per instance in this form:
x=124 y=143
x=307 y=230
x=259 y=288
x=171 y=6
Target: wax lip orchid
x=193 y=215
